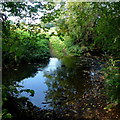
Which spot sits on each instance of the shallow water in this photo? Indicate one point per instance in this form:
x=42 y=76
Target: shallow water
x=60 y=74
x=68 y=72
x=37 y=83
x=69 y=85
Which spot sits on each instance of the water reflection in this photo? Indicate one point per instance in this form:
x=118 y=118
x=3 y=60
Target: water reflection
x=53 y=64
x=71 y=86
x=59 y=82
x=18 y=73
x=67 y=83
x=37 y=83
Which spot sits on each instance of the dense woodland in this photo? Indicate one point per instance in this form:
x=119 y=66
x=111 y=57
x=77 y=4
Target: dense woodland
x=89 y=29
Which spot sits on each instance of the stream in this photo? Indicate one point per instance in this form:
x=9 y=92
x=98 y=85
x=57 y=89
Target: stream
x=71 y=86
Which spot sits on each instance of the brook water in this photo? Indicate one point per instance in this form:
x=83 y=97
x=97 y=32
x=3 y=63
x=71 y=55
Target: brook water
x=71 y=85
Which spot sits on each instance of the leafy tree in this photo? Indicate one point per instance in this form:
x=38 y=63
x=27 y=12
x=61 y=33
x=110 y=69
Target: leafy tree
x=91 y=26
x=24 y=41
x=107 y=27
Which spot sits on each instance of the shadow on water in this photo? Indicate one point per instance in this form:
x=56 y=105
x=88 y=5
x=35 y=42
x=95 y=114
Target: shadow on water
x=69 y=88
x=68 y=82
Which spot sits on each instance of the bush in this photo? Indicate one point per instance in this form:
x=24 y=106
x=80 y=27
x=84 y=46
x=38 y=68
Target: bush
x=21 y=46
x=112 y=77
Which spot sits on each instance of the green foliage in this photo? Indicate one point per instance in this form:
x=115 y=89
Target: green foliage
x=5 y=94
x=25 y=9
x=57 y=46
x=21 y=45
x=63 y=46
x=8 y=91
x=112 y=79
x=24 y=40
x=28 y=91
x=92 y=25
x=5 y=114
x=107 y=27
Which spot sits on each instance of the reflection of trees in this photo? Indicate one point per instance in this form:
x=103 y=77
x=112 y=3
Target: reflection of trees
x=9 y=88
x=67 y=83
x=18 y=73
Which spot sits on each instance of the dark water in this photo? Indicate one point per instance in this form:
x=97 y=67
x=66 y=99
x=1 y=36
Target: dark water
x=59 y=78
x=69 y=84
